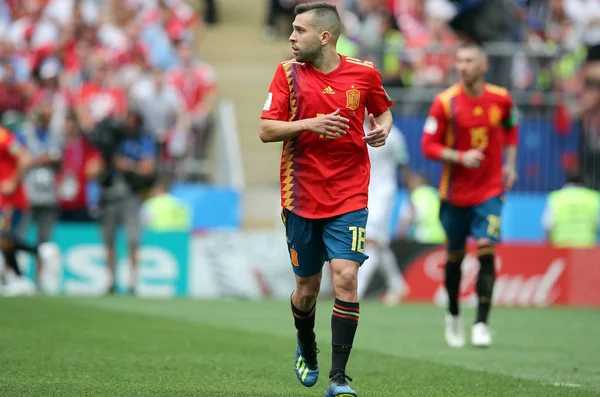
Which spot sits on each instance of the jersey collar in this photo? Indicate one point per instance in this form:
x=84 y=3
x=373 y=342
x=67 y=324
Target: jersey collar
x=333 y=72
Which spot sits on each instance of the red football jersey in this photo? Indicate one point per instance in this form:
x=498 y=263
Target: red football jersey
x=10 y=150
x=461 y=122
x=322 y=177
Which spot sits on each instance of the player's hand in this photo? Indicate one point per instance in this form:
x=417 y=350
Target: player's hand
x=472 y=158
x=510 y=176
x=8 y=187
x=377 y=136
x=332 y=125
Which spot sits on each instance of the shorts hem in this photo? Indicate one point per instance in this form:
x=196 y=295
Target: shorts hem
x=351 y=258
x=298 y=272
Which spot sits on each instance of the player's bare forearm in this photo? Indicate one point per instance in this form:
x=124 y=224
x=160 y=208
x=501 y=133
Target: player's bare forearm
x=278 y=131
x=23 y=165
x=449 y=155
x=385 y=120
x=510 y=154
x=439 y=152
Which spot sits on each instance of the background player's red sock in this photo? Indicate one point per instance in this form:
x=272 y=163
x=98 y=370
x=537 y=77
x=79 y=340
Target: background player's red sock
x=485 y=282
x=344 y=321
x=305 y=324
x=453 y=275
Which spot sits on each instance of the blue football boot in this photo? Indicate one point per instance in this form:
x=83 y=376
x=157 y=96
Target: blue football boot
x=306 y=365
x=338 y=386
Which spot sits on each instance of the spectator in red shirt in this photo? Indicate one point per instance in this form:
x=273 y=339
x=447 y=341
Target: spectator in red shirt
x=197 y=84
x=81 y=163
x=100 y=98
x=13 y=95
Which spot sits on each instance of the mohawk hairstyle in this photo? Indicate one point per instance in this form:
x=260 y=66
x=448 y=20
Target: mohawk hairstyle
x=326 y=16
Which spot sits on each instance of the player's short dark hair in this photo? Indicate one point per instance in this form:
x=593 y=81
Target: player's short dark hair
x=573 y=176
x=472 y=45
x=326 y=16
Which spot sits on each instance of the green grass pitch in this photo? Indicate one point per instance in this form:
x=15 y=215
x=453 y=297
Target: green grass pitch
x=137 y=347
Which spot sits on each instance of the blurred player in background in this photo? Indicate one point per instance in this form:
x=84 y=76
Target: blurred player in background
x=316 y=105
x=385 y=161
x=469 y=126
x=421 y=212
x=14 y=163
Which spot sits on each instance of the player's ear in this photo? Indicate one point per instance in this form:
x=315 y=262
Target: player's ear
x=485 y=64
x=325 y=37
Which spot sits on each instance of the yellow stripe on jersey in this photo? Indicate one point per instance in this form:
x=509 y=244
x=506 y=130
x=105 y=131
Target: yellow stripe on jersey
x=368 y=64
x=446 y=99
x=495 y=89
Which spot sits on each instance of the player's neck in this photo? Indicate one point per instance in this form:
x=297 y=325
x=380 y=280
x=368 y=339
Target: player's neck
x=327 y=63
x=474 y=90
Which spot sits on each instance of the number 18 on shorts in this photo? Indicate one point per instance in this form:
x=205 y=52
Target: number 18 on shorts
x=312 y=242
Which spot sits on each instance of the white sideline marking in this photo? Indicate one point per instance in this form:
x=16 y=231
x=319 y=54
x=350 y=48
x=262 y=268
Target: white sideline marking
x=565 y=384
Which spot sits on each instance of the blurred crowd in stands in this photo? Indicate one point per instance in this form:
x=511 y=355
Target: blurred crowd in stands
x=411 y=41
x=548 y=50
x=67 y=65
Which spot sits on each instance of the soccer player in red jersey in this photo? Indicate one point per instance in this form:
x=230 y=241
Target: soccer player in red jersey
x=14 y=162
x=316 y=106
x=471 y=127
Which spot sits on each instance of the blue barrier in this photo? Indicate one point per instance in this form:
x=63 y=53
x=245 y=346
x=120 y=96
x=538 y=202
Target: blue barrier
x=213 y=207
x=541 y=152
x=163 y=262
x=521 y=216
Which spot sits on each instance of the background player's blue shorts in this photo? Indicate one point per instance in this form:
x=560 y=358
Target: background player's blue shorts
x=311 y=242
x=11 y=223
x=480 y=221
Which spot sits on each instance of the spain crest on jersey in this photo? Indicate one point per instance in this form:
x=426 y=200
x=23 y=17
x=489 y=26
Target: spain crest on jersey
x=352 y=99
x=495 y=115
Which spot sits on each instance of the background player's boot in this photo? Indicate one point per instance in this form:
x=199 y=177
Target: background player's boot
x=481 y=335
x=338 y=386
x=454 y=331
x=306 y=366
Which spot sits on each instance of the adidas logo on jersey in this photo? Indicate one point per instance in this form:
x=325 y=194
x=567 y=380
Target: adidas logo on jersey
x=328 y=91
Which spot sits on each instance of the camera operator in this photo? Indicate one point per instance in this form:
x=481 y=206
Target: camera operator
x=129 y=155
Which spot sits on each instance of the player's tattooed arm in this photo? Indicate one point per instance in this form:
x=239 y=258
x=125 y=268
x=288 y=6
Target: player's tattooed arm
x=331 y=125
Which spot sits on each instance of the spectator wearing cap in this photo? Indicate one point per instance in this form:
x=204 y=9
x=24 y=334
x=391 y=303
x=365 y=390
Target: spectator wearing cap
x=128 y=174
x=197 y=84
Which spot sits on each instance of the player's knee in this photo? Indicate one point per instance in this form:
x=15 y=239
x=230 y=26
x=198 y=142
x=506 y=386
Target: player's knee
x=307 y=292
x=345 y=279
x=484 y=242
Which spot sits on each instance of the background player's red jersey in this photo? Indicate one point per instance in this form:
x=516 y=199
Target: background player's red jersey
x=461 y=122
x=322 y=177
x=10 y=150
